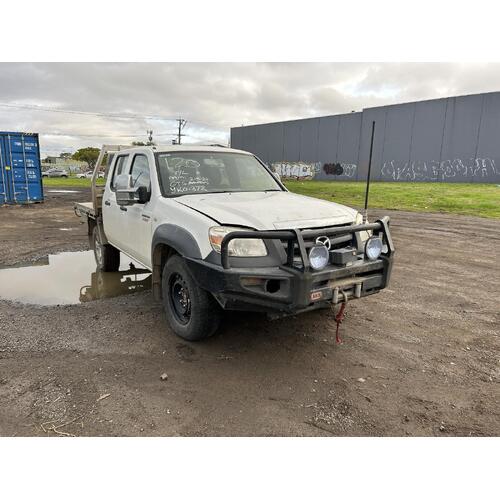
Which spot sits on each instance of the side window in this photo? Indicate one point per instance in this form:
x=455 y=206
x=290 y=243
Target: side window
x=119 y=166
x=140 y=171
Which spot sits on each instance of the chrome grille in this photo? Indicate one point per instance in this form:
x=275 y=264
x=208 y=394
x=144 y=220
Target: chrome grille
x=336 y=242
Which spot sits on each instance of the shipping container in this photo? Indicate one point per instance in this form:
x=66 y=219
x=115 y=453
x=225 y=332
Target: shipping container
x=20 y=168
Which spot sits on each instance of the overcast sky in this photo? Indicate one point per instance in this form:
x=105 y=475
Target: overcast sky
x=212 y=97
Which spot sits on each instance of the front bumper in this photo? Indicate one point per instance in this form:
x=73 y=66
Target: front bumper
x=290 y=288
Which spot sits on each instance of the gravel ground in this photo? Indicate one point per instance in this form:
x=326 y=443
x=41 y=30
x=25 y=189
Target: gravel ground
x=421 y=358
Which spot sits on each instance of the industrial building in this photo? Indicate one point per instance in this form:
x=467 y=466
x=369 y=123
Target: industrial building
x=72 y=166
x=454 y=139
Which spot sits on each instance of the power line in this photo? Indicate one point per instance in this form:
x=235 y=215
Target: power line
x=36 y=107
x=131 y=136
x=70 y=134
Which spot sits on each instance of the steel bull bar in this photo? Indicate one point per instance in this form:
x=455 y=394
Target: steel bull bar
x=296 y=236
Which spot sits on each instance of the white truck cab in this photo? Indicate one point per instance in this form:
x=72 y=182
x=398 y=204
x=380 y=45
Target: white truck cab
x=220 y=231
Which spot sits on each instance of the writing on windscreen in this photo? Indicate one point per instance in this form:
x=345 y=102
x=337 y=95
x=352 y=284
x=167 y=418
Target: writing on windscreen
x=184 y=177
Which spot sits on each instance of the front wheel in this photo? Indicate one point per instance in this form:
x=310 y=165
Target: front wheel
x=191 y=312
x=107 y=257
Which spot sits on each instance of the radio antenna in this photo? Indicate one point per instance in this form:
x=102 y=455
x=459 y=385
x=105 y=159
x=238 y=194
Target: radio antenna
x=369 y=173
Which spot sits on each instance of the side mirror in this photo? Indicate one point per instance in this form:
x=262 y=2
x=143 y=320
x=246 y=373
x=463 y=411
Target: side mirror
x=143 y=195
x=127 y=194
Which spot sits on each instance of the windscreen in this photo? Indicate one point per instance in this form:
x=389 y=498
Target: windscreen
x=205 y=172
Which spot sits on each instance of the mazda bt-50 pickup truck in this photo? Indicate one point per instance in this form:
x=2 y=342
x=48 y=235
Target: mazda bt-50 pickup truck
x=219 y=231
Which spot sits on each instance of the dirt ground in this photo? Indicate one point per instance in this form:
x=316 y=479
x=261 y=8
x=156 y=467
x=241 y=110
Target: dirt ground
x=421 y=358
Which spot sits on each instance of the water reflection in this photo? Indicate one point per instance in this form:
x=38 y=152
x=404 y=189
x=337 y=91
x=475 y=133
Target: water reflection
x=113 y=284
x=70 y=278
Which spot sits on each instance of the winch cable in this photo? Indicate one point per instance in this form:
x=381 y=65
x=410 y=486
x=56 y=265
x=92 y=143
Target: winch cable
x=339 y=317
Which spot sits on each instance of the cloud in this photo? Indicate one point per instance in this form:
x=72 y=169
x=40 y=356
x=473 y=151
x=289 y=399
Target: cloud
x=212 y=96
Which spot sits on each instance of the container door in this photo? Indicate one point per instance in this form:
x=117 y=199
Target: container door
x=5 y=184
x=33 y=167
x=24 y=162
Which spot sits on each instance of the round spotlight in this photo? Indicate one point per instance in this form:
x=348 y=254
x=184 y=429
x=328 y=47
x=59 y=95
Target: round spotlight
x=318 y=257
x=373 y=247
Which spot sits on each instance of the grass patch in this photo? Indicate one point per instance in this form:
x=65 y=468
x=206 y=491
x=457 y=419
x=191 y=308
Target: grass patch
x=482 y=200
x=60 y=182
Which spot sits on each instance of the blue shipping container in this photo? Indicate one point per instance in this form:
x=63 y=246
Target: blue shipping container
x=20 y=168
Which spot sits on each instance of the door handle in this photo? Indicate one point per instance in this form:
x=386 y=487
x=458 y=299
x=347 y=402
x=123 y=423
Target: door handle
x=123 y=208
x=107 y=202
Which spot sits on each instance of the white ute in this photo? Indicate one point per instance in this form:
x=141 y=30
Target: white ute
x=220 y=231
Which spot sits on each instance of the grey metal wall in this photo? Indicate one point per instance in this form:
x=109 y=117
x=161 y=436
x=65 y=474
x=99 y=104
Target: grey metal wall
x=455 y=139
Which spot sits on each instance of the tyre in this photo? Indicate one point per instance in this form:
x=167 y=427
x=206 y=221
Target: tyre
x=192 y=313
x=107 y=257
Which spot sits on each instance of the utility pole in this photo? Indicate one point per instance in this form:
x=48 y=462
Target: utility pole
x=182 y=124
x=150 y=137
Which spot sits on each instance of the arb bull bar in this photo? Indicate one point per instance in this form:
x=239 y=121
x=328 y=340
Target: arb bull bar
x=308 y=288
x=296 y=236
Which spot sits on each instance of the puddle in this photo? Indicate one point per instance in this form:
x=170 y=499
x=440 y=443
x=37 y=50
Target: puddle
x=70 y=278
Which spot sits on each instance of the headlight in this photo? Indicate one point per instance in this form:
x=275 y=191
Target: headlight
x=373 y=247
x=251 y=247
x=319 y=257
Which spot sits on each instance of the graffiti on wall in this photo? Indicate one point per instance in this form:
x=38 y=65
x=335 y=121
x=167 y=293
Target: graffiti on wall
x=340 y=169
x=439 y=170
x=296 y=169
x=307 y=171
x=478 y=168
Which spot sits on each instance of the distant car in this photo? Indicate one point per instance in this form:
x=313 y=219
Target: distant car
x=88 y=175
x=84 y=175
x=55 y=172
